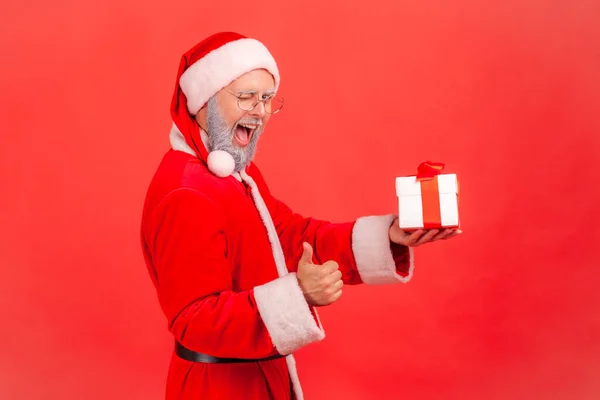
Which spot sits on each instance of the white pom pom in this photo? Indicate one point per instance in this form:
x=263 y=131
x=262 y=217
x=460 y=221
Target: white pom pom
x=221 y=163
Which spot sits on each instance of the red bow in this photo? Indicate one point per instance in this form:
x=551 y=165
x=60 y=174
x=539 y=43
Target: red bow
x=428 y=170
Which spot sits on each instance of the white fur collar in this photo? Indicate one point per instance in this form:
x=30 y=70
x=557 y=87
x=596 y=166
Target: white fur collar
x=178 y=141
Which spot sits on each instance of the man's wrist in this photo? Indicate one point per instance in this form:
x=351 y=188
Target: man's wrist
x=304 y=291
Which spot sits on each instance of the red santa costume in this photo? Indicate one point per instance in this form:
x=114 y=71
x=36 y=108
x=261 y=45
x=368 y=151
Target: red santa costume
x=222 y=251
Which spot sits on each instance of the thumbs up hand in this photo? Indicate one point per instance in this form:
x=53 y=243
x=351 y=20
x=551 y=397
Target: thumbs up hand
x=321 y=284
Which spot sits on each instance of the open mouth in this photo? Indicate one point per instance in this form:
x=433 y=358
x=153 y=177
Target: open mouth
x=243 y=133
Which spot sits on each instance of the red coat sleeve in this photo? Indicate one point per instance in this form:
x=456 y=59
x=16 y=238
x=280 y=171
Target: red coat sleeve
x=362 y=248
x=185 y=237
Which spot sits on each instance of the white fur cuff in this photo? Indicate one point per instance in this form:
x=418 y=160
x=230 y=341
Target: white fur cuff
x=372 y=252
x=286 y=314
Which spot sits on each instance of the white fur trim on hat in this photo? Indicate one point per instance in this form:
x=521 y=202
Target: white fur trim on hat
x=222 y=66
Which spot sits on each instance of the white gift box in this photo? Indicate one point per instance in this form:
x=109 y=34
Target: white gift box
x=428 y=204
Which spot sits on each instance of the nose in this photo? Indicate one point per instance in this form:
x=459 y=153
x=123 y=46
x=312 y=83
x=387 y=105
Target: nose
x=259 y=110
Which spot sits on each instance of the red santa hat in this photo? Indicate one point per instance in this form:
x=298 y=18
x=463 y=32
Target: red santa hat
x=205 y=69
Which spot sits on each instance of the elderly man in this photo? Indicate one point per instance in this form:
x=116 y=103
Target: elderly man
x=238 y=275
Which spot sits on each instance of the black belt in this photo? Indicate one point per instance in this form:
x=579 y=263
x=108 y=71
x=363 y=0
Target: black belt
x=190 y=355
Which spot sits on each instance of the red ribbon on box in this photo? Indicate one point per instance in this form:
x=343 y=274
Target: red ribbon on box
x=427 y=173
x=429 y=170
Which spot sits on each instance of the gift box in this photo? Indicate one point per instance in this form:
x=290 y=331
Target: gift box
x=428 y=200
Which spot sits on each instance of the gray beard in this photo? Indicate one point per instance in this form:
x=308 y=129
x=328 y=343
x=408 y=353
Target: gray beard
x=220 y=136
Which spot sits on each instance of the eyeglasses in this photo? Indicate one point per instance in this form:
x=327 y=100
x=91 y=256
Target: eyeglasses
x=247 y=101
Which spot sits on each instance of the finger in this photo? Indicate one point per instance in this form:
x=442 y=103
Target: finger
x=413 y=237
x=336 y=296
x=427 y=237
x=454 y=233
x=337 y=286
x=442 y=235
x=330 y=267
x=307 y=253
x=336 y=276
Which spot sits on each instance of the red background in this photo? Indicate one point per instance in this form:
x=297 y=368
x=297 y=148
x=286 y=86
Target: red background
x=506 y=93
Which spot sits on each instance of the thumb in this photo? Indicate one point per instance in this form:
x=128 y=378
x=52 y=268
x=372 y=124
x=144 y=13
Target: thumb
x=307 y=253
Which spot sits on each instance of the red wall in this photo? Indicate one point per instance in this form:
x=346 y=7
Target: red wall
x=506 y=93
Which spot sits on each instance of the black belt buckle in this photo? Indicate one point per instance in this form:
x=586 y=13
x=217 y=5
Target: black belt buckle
x=194 y=356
